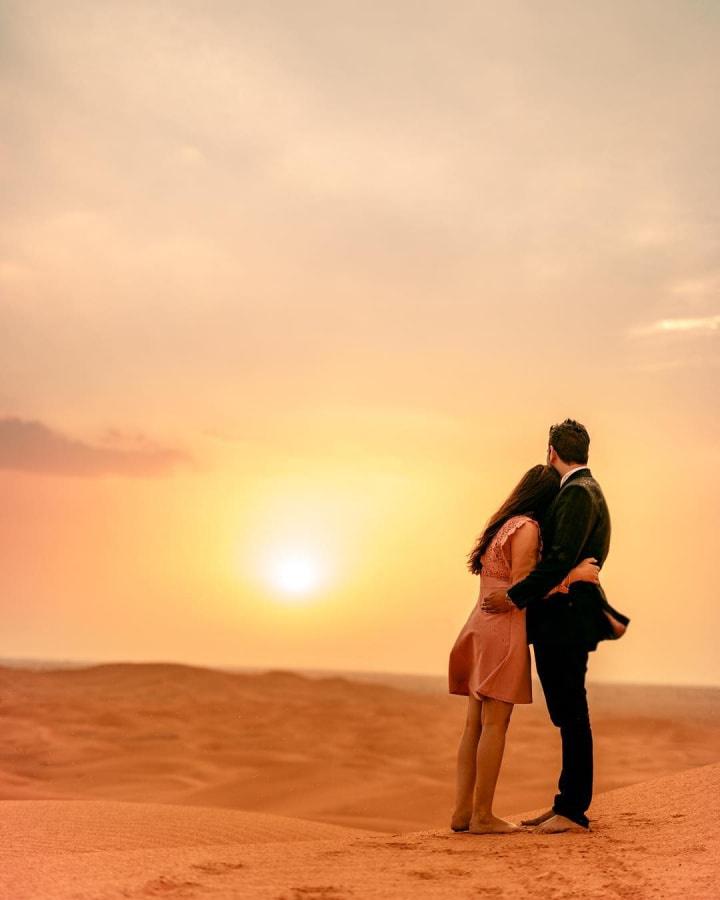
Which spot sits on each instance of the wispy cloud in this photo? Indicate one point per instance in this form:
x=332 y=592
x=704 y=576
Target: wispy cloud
x=698 y=325
x=31 y=446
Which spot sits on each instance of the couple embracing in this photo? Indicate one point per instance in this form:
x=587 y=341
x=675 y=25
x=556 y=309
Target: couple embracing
x=538 y=560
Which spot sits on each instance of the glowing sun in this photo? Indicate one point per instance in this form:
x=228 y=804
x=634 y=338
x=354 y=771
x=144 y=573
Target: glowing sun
x=295 y=574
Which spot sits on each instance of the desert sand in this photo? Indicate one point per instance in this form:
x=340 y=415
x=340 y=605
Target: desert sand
x=140 y=780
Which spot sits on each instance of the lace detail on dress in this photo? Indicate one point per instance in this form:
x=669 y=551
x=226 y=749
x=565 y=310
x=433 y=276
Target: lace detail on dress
x=496 y=560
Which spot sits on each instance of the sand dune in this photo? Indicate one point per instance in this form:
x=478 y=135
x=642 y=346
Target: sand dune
x=87 y=826
x=660 y=839
x=145 y=780
x=333 y=750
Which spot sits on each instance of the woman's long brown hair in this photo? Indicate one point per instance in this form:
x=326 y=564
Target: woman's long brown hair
x=531 y=496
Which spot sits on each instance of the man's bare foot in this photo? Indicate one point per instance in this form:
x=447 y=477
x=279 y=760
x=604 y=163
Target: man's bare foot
x=557 y=825
x=538 y=820
x=492 y=825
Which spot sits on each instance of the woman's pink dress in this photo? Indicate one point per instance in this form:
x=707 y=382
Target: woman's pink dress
x=491 y=657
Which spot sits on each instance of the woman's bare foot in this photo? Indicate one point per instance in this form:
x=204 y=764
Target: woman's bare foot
x=538 y=820
x=492 y=825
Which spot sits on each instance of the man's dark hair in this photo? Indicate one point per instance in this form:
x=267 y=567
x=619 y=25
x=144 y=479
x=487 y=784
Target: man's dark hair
x=571 y=441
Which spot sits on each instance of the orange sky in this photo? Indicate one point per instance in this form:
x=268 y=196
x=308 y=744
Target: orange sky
x=310 y=282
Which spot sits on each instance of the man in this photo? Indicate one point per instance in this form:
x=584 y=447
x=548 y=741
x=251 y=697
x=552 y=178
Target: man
x=564 y=628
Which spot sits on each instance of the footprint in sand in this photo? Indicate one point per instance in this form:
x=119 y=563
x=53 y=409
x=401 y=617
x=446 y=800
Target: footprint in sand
x=163 y=886
x=217 y=868
x=323 y=892
x=428 y=875
x=380 y=845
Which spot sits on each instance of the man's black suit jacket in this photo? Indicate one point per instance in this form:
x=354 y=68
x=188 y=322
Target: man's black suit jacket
x=576 y=526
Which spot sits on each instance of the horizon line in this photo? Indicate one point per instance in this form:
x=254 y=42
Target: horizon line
x=79 y=663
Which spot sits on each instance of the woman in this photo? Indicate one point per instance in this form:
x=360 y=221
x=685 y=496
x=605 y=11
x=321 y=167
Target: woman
x=490 y=660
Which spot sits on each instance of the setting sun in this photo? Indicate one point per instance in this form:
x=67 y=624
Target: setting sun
x=295 y=574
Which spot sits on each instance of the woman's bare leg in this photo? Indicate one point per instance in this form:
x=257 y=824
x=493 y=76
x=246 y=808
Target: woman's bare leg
x=466 y=763
x=491 y=746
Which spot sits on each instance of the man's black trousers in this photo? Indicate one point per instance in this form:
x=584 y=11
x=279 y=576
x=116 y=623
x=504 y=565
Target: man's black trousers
x=561 y=669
